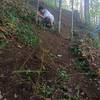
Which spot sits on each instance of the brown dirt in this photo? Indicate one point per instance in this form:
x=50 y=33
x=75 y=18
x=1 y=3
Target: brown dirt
x=17 y=56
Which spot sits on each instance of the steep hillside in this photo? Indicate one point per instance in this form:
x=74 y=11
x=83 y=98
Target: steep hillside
x=65 y=20
x=37 y=64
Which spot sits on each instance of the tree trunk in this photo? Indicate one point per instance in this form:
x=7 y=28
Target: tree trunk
x=55 y=3
x=37 y=11
x=72 y=26
x=81 y=11
x=86 y=11
x=60 y=11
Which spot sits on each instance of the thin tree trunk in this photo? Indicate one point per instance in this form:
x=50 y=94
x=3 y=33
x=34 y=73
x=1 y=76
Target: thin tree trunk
x=55 y=3
x=86 y=10
x=37 y=11
x=81 y=11
x=60 y=11
x=72 y=27
x=99 y=19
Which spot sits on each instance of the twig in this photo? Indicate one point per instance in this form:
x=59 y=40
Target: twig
x=27 y=60
x=26 y=71
x=71 y=75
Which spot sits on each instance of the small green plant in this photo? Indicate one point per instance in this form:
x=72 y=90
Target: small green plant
x=3 y=43
x=11 y=13
x=12 y=9
x=62 y=74
x=97 y=43
x=46 y=91
x=29 y=74
x=91 y=73
x=29 y=39
x=83 y=64
x=12 y=22
x=23 y=28
x=75 y=50
x=65 y=96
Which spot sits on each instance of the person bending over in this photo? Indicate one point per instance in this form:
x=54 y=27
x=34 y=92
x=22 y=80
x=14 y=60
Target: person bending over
x=47 y=17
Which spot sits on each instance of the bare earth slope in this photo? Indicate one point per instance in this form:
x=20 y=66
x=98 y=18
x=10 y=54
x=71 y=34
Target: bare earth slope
x=45 y=60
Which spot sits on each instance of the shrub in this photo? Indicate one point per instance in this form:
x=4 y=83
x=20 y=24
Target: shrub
x=26 y=35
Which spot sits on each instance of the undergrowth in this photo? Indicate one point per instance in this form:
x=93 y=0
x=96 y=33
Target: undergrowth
x=14 y=19
x=81 y=61
x=27 y=35
x=3 y=43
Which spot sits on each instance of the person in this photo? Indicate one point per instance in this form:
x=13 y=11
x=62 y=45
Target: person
x=47 y=17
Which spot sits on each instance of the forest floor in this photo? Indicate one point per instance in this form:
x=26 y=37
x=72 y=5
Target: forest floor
x=43 y=71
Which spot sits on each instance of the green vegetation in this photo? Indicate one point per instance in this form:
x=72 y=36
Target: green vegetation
x=28 y=17
x=50 y=3
x=29 y=39
x=3 y=43
x=29 y=74
x=62 y=74
x=66 y=97
x=25 y=33
x=83 y=64
x=46 y=91
x=97 y=43
x=15 y=26
x=75 y=50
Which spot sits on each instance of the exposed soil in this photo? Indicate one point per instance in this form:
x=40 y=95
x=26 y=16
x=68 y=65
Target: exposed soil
x=18 y=56
x=52 y=53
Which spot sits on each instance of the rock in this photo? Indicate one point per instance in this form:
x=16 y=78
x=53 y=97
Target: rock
x=98 y=71
x=59 y=55
x=2 y=75
x=5 y=99
x=15 y=95
x=1 y=96
x=19 y=46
